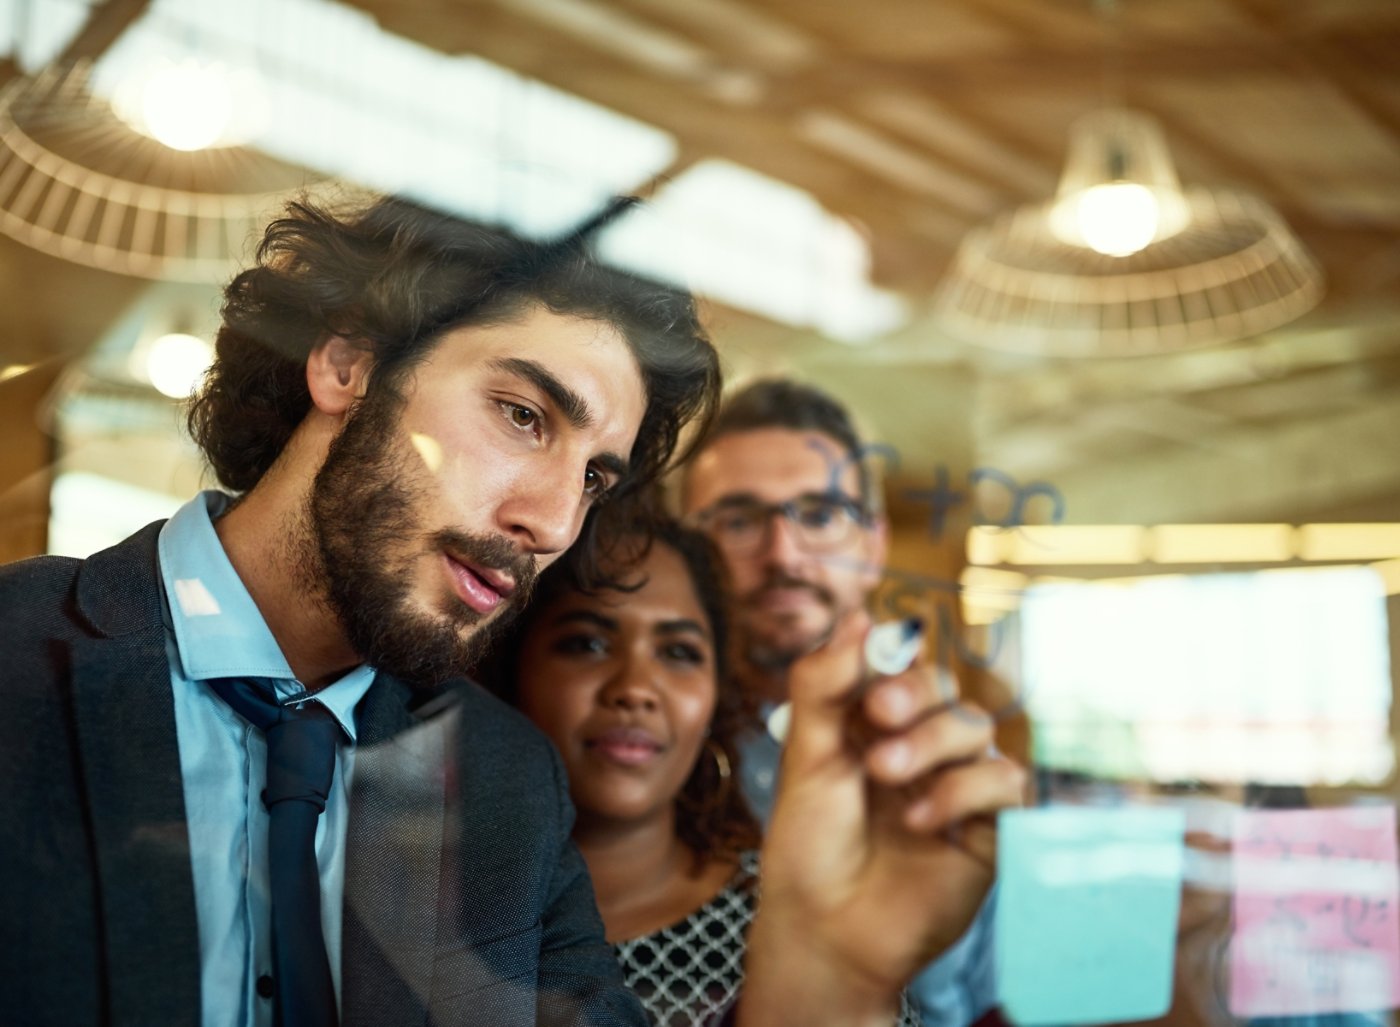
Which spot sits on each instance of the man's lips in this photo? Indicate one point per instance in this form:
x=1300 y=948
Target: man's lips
x=481 y=588
x=784 y=597
x=629 y=746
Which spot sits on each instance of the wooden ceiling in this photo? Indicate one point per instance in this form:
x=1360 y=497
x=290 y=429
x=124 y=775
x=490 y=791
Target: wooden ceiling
x=919 y=119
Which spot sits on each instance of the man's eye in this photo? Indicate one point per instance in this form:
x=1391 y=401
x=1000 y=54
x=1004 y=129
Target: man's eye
x=818 y=515
x=595 y=484
x=521 y=416
x=736 y=520
x=824 y=513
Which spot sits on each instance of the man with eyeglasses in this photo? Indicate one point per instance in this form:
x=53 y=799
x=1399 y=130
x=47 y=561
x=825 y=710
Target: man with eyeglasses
x=780 y=486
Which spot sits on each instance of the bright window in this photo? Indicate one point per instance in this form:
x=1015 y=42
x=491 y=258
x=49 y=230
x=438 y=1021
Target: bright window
x=1276 y=676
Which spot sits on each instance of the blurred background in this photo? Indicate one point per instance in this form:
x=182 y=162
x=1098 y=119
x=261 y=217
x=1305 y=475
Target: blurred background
x=1115 y=287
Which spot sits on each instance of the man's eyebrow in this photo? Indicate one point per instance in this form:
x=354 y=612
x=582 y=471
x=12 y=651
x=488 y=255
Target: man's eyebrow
x=615 y=465
x=735 y=499
x=570 y=403
x=751 y=499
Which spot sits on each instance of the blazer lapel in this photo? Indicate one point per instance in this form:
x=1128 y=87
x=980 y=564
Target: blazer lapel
x=125 y=724
x=394 y=858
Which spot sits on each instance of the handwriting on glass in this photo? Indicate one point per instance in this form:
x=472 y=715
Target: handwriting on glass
x=1316 y=923
x=996 y=498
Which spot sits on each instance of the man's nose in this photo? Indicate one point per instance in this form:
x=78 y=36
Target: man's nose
x=543 y=511
x=780 y=545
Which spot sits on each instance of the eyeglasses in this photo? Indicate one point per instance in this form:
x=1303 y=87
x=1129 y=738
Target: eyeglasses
x=821 y=521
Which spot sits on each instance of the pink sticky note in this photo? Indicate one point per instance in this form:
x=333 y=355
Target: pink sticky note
x=1316 y=923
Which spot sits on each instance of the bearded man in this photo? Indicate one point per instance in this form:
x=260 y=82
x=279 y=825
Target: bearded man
x=782 y=487
x=245 y=783
x=411 y=417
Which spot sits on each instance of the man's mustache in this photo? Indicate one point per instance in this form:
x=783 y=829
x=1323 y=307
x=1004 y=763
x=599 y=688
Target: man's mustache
x=781 y=580
x=497 y=553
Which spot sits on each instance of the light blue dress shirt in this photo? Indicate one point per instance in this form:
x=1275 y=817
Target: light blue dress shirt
x=216 y=631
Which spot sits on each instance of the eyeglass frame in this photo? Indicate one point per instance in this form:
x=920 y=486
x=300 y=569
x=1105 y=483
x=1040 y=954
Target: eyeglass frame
x=861 y=517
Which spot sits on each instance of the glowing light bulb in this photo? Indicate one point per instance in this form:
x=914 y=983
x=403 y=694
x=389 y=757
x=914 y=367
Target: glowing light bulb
x=1117 y=219
x=187 y=106
x=175 y=363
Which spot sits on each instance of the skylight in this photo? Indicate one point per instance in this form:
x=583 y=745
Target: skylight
x=36 y=33
x=759 y=244
x=338 y=94
x=321 y=86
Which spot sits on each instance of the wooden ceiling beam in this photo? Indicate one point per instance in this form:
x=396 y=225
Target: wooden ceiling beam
x=1070 y=62
x=1230 y=164
x=1286 y=472
x=1037 y=397
x=1069 y=67
x=105 y=23
x=759 y=123
x=981 y=149
x=1352 y=59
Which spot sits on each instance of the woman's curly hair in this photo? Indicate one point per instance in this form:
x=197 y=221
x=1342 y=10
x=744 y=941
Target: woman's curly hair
x=392 y=278
x=712 y=817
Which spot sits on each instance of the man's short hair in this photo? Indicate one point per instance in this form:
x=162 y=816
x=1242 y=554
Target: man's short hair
x=797 y=406
x=393 y=277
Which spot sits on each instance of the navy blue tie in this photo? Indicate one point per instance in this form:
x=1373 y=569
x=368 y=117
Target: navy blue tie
x=300 y=765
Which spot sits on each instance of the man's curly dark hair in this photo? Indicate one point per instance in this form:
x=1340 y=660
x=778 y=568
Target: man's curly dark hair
x=392 y=277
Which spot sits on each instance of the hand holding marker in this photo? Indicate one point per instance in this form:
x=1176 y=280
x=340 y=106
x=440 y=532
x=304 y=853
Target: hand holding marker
x=890 y=649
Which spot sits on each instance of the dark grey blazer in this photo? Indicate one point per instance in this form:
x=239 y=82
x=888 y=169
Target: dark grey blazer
x=465 y=901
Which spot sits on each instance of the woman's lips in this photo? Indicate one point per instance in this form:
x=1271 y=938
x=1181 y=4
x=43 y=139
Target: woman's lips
x=482 y=589
x=628 y=746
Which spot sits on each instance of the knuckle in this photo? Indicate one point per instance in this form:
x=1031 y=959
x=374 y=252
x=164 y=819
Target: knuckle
x=1015 y=777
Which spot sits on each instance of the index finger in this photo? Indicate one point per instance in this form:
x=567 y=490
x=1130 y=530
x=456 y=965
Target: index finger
x=821 y=686
x=893 y=703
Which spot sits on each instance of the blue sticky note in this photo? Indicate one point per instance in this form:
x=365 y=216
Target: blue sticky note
x=1087 y=915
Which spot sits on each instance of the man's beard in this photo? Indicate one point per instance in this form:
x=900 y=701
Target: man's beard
x=362 y=510
x=774 y=652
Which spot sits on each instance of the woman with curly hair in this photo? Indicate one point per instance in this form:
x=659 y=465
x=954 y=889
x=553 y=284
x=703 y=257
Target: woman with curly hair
x=629 y=679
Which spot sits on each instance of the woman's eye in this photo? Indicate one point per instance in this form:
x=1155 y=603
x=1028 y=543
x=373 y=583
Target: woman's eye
x=683 y=652
x=575 y=645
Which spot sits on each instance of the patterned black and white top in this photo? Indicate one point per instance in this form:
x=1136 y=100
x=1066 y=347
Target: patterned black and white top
x=688 y=974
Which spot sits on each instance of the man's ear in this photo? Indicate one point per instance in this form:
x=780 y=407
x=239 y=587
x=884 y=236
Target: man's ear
x=337 y=373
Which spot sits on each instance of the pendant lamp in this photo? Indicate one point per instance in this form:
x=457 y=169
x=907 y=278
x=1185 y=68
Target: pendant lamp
x=1124 y=261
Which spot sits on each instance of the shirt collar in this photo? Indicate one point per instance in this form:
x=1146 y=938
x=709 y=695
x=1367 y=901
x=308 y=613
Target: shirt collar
x=219 y=631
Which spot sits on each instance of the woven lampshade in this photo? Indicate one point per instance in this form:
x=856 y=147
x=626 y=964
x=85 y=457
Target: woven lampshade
x=1223 y=266
x=78 y=183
